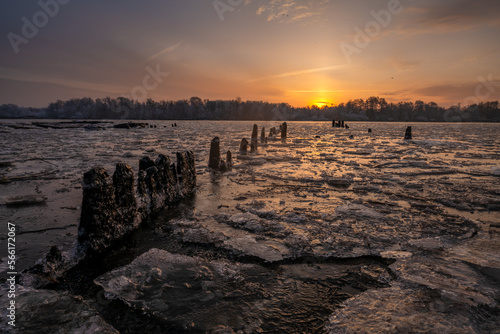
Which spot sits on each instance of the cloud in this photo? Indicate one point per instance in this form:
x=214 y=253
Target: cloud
x=317 y=91
x=24 y=76
x=450 y=16
x=486 y=88
x=167 y=50
x=287 y=11
x=405 y=64
x=293 y=73
x=394 y=93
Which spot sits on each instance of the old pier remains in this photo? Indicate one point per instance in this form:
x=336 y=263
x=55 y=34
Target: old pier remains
x=215 y=162
x=114 y=206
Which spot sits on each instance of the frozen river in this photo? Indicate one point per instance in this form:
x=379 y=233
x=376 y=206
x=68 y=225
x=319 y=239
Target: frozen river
x=321 y=233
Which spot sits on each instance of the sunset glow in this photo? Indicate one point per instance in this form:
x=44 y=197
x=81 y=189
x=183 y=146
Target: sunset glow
x=250 y=166
x=280 y=51
x=322 y=103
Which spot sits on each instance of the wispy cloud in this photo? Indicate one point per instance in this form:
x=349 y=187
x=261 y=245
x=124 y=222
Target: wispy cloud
x=24 y=76
x=405 y=64
x=457 y=91
x=294 y=73
x=394 y=93
x=289 y=11
x=317 y=91
x=446 y=17
x=167 y=50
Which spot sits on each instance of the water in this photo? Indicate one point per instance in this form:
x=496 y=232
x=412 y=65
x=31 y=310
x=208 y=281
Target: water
x=310 y=224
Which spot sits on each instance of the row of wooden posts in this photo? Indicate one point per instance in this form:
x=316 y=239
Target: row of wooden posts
x=216 y=163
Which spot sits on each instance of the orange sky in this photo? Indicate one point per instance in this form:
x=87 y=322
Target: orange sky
x=299 y=52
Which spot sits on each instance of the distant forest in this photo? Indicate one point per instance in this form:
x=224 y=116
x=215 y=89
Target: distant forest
x=371 y=109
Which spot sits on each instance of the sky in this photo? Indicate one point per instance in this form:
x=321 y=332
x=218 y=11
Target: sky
x=301 y=52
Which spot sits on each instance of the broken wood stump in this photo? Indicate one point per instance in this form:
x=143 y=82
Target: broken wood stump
x=284 y=130
x=244 y=145
x=408 y=133
x=113 y=206
x=214 y=160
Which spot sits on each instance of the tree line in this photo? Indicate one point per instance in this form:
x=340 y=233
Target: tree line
x=372 y=109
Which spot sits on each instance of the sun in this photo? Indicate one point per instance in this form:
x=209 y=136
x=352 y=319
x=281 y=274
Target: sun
x=323 y=103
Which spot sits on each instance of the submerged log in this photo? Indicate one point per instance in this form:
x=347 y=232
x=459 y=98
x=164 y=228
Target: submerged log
x=130 y=125
x=27 y=200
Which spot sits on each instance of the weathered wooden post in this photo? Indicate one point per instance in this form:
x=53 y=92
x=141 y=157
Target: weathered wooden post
x=408 y=133
x=98 y=215
x=244 y=145
x=145 y=163
x=214 y=160
x=284 y=129
x=255 y=131
x=254 y=144
x=229 y=160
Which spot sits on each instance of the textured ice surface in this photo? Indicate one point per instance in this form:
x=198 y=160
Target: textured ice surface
x=454 y=291
x=180 y=288
x=45 y=311
x=200 y=295
x=401 y=310
x=430 y=204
